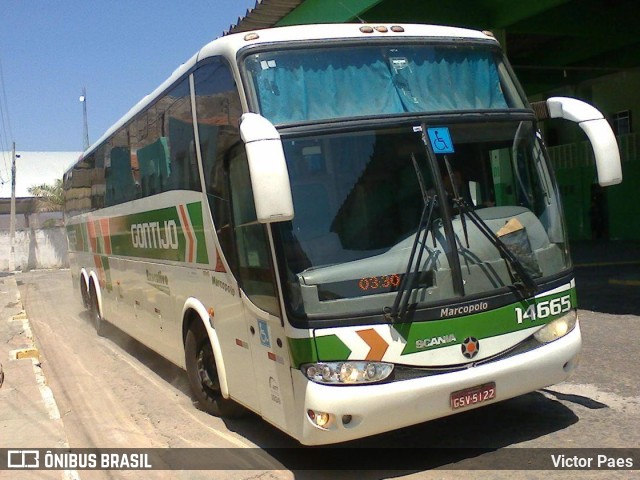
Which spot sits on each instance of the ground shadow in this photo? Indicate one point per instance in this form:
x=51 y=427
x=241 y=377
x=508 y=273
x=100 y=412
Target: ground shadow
x=468 y=440
x=472 y=440
x=156 y=363
x=586 y=402
x=608 y=276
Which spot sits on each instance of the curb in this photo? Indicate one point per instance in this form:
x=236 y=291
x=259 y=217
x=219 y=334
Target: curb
x=30 y=351
x=35 y=404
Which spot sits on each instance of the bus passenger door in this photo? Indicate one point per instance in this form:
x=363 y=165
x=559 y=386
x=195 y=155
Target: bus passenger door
x=256 y=275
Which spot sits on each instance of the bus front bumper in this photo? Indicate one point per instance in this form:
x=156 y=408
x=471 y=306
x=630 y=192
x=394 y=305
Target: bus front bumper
x=360 y=411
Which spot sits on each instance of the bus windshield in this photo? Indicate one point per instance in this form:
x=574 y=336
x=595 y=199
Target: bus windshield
x=359 y=197
x=312 y=84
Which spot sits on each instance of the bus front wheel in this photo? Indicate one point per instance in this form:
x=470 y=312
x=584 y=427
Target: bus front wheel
x=203 y=375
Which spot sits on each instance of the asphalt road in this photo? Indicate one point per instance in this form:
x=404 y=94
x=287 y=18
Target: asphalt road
x=113 y=392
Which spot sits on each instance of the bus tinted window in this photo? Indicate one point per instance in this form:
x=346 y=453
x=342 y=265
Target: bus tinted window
x=255 y=270
x=119 y=175
x=321 y=84
x=84 y=186
x=154 y=153
x=218 y=108
x=163 y=144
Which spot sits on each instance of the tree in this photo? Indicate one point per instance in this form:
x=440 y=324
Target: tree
x=50 y=198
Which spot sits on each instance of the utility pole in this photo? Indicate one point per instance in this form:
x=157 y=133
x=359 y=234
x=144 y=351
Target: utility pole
x=83 y=99
x=12 y=221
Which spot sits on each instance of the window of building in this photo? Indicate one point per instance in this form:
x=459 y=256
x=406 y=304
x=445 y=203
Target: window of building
x=621 y=122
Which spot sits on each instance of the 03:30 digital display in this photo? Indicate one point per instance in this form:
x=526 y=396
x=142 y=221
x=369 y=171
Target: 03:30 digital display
x=384 y=281
x=359 y=287
x=374 y=285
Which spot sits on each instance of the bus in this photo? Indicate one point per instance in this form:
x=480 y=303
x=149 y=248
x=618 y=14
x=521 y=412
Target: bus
x=320 y=222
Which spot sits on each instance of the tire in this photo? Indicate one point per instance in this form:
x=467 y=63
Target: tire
x=96 y=318
x=84 y=293
x=203 y=375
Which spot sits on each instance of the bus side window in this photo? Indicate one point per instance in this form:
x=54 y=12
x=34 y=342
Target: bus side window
x=218 y=111
x=120 y=185
x=254 y=260
x=177 y=119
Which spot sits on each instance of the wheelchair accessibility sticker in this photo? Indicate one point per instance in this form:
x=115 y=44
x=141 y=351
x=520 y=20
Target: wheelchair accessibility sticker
x=440 y=140
x=263 y=328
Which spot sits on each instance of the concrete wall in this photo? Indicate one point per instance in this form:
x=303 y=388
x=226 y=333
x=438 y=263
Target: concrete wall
x=35 y=248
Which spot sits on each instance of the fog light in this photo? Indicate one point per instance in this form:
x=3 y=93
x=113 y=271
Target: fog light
x=321 y=419
x=571 y=364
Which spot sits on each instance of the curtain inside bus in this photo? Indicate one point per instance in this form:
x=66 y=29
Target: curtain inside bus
x=303 y=85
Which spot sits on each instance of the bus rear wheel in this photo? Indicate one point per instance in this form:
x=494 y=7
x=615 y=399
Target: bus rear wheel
x=203 y=375
x=94 y=309
x=84 y=293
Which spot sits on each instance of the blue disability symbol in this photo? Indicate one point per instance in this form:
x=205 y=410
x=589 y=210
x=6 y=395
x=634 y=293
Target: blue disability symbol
x=264 y=333
x=440 y=140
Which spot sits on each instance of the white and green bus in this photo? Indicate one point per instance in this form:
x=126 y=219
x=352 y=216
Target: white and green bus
x=318 y=222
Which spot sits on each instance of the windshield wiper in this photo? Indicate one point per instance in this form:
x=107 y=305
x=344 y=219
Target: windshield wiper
x=523 y=279
x=410 y=278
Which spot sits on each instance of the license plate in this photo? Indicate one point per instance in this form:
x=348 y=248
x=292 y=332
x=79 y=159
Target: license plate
x=473 y=395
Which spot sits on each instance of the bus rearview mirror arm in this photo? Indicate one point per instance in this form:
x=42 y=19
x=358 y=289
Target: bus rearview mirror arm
x=602 y=139
x=267 y=169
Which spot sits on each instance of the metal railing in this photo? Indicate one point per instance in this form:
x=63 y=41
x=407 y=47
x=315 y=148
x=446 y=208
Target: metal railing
x=580 y=154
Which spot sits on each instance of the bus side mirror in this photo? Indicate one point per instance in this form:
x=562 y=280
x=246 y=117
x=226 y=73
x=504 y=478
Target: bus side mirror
x=267 y=169
x=603 y=141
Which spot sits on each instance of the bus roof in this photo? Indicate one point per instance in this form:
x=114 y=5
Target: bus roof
x=229 y=45
x=237 y=41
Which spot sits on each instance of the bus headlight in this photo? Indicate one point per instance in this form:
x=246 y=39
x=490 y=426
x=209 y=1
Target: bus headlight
x=339 y=373
x=557 y=328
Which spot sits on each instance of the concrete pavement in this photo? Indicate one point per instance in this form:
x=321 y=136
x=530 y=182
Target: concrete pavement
x=29 y=417
x=608 y=276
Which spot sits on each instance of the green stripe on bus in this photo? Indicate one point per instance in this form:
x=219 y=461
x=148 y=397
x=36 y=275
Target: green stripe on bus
x=195 y=212
x=330 y=347
x=481 y=325
x=485 y=324
x=162 y=234
x=302 y=350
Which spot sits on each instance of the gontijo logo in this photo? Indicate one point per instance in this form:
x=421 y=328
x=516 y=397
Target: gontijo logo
x=169 y=230
x=152 y=235
x=173 y=233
